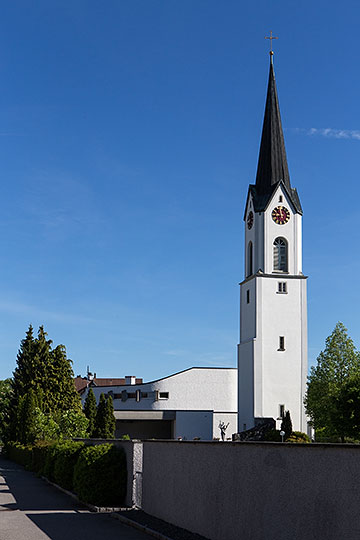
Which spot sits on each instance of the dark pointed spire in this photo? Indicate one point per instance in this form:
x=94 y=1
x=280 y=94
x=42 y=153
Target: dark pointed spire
x=272 y=165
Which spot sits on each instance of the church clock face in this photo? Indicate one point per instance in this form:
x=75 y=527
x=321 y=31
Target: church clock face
x=280 y=215
x=250 y=220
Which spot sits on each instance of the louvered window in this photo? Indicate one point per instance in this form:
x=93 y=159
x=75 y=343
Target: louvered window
x=250 y=260
x=280 y=255
x=282 y=287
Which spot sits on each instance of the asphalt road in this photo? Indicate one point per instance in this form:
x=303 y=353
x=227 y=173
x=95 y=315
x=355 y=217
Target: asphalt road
x=31 y=509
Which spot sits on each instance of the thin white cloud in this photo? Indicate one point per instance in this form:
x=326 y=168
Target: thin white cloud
x=19 y=308
x=331 y=133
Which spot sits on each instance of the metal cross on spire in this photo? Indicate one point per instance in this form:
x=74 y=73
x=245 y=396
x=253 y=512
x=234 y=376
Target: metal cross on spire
x=271 y=37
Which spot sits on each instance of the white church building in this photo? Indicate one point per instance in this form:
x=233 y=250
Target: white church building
x=272 y=353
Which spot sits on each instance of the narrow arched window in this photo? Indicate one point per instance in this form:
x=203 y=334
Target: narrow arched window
x=280 y=255
x=249 y=260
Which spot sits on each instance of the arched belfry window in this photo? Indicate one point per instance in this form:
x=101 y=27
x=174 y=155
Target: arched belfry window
x=249 y=269
x=280 y=255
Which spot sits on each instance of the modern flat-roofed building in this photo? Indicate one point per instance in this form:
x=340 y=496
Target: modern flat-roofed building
x=189 y=404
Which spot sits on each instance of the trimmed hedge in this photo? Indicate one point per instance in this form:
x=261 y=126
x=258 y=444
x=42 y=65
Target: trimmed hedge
x=100 y=475
x=19 y=453
x=49 y=467
x=67 y=454
x=39 y=452
x=97 y=474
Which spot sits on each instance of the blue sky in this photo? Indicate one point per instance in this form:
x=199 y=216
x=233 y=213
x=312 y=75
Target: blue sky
x=129 y=132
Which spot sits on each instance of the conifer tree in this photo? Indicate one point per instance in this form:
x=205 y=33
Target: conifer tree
x=62 y=394
x=286 y=425
x=105 y=420
x=100 y=421
x=20 y=382
x=110 y=418
x=23 y=372
x=48 y=373
x=26 y=417
x=90 y=411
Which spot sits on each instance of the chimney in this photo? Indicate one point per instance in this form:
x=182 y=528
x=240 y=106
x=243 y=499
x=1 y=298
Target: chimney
x=130 y=379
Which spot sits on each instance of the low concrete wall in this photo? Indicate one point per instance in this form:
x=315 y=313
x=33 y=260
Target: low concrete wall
x=254 y=491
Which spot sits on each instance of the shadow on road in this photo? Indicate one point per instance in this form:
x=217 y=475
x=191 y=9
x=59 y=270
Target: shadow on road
x=53 y=512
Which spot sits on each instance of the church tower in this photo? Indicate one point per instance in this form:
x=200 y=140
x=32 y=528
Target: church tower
x=272 y=354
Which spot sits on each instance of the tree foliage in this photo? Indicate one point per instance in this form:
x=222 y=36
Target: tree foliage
x=72 y=423
x=5 y=400
x=105 y=420
x=329 y=381
x=110 y=418
x=42 y=379
x=346 y=405
x=47 y=371
x=26 y=417
x=90 y=411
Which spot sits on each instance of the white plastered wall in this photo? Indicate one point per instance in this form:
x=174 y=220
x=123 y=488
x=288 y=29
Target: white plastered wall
x=268 y=377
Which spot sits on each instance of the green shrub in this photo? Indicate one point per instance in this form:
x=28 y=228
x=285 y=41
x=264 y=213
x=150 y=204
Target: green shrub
x=20 y=453
x=273 y=435
x=100 y=475
x=39 y=453
x=66 y=456
x=298 y=437
x=50 y=459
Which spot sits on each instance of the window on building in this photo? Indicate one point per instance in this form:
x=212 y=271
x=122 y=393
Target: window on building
x=164 y=395
x=280 y=255
x=249 y=260
x=282 y=287
x=248 y=296
x=281 y=343
x=131 y=395
x=144 y=394
x=280 y=198
x=138 y=395
x=281 y=411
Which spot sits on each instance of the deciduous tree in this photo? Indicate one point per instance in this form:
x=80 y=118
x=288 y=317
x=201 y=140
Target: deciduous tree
x=336 y=365
x=345 y=415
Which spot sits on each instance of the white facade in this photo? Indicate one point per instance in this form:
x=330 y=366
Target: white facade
x=188 y=404
x=272 y=354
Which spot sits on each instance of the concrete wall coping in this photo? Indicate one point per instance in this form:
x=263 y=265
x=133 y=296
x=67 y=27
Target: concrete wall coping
x=232 y=443
x=257 y=443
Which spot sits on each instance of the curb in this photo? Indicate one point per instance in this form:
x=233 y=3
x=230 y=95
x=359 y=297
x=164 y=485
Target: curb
x=140 y=527
x=112 y=511
x=92 y=507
